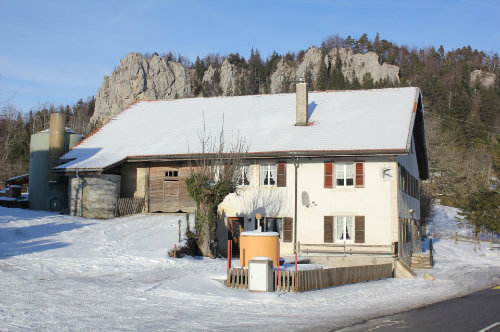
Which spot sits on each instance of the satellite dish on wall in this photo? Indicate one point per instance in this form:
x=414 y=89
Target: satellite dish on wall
x=305 y=199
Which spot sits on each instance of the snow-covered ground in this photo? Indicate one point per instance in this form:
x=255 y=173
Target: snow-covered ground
x=62 y=273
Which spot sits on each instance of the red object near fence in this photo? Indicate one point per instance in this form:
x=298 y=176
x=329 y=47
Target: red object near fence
x=175 y=250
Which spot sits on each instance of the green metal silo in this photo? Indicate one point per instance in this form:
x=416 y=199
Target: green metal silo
x=47 y=191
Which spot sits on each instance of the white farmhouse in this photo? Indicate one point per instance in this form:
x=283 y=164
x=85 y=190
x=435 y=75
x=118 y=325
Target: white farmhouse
x=336 y=173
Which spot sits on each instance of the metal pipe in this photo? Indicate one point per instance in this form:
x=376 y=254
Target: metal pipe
x=81 y=183
x=296 y=164
x=77 y=190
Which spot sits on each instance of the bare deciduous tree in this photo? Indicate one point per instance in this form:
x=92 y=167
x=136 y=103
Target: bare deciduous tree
x=214 y=175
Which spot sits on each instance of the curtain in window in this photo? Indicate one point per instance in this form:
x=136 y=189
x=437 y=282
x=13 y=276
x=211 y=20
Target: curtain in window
x=243 y=175
x=339 y=228
x=349 y=228
x=268 y=174
x=344 y=228
x=279 y=224
x=349 y=168
x=340 y=174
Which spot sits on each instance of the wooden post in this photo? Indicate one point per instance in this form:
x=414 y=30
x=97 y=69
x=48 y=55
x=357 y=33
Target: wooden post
x=296 y=274
x=228 y=261
x=175 y=250
x=179 y=230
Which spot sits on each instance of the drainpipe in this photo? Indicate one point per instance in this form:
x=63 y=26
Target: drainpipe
x=77 y=190
x=79 y=187
x=296 y=164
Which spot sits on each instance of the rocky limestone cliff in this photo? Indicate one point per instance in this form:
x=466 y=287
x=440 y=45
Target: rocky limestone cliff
x=360 y=64
x=140 y=78
x=283 y=77
x=352 y=64
x=228 y=74
x=484 y=78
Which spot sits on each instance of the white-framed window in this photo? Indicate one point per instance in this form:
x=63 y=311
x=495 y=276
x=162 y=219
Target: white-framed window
x=344 y=174
x=344 y=229
x=268 y=175
x=243 y=175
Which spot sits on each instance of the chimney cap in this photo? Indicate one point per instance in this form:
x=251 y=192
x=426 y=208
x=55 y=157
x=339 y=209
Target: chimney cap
x=300 y=80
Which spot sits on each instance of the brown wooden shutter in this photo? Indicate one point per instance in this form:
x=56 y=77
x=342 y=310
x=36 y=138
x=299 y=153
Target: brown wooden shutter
x=359 y=229
x=360 y=175
x=328 y=175
x=281 y=175
x=328 y=229
x=399 y=178
x=287 y=229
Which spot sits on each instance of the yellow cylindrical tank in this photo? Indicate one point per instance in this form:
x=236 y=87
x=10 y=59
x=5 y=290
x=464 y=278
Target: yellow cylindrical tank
x=259 y=244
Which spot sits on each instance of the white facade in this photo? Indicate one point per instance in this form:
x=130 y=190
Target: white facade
x=379 y=200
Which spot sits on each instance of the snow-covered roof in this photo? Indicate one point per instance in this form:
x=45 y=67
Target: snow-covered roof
x=342 y=121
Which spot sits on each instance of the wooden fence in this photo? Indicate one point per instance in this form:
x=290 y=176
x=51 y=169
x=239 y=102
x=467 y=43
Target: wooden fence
x=345 y=249
x=237 y=278
x=477 y=241
x=128 y=206
x=307 y=280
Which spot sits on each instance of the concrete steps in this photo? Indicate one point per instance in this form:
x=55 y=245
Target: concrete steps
x=421 y=260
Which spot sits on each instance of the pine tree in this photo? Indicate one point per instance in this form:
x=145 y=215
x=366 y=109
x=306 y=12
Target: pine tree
x=355 y=84
x=199 y=69
x=322 y=80
x=368 y=81
x=309 y=78
x=337 y=79
x=255 y=72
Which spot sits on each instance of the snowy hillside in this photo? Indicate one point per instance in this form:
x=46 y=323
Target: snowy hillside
x=62 y=273
x=445 y=222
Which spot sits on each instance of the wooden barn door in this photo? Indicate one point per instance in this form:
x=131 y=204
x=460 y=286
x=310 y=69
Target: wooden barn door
x=171 y=190
x=170 y=196
x=164 y=191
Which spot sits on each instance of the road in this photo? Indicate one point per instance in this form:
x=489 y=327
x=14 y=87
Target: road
x=478 y=311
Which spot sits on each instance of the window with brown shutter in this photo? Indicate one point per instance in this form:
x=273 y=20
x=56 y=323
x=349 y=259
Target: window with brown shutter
x=281 y=175
x=359 y=228
x=328 y=175
x=328 y=229
x=287 y=229
x=360 y=175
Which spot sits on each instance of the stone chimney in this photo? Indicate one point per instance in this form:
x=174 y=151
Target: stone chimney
x=301 y=103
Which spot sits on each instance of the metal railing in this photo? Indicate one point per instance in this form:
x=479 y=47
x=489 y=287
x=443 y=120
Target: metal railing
x=345 y=249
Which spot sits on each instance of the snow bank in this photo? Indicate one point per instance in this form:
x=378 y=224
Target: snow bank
x=62 y=273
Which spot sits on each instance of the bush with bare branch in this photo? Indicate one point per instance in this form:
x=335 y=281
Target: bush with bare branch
x=214 y=175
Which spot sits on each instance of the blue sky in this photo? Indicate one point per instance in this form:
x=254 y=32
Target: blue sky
x=59 y=51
